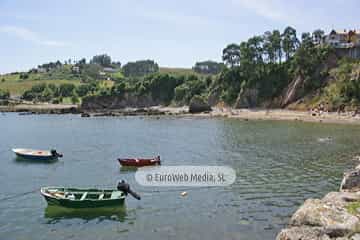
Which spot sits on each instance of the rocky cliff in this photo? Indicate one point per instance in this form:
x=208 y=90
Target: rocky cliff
x=297 y=88
x=95 y=103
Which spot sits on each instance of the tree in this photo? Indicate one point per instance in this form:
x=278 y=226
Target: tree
x=162 y=86
x=54 y=89
x=231 y=55
x=118 y=89
x=290 y=42
x=46 y=95
x=90 y=72
x=255 y=45
x=66 y=89
x=102 y=60
x=318 y=35
x=140 y=68
x=272 y=46
x=74 y=99
x=306 y=40
x=83 y=89
x=4 y=94
x=268 y=47
x=276 y=43
x=81 y=61
x=24 y=76
x=208 y=67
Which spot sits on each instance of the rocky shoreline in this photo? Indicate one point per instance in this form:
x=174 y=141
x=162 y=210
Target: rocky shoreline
x=222 y=112
x=336 y=216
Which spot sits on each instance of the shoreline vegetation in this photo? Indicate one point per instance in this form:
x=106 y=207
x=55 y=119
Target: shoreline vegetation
x=274 y=70
x=216 y=112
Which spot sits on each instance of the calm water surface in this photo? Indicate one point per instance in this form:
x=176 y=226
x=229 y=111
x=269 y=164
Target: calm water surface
x=278 y=165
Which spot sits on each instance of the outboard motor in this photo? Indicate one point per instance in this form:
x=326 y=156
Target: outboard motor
x=55 y=153
x=125 y=187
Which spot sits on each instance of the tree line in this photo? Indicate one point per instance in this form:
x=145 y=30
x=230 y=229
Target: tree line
x=263 y=65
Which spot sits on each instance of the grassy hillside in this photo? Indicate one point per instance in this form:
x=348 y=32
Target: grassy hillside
x=339 y=89
x=17 y=86
x=177 y=71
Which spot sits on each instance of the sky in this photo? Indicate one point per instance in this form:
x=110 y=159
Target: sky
x=173 y=33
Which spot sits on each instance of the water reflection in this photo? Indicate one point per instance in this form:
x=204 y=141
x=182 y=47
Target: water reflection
x=22 y=160
x=128 y=169
x=56 y=213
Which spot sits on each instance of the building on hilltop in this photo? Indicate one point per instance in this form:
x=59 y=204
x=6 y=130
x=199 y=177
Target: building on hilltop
x=346 y=43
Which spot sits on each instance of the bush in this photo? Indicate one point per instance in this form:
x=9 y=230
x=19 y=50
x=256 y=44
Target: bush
x=83 y=90
x=181 y=92
x=140 y=68
x=4 y=94
x=24 y=76
x=74 y=99
x=55 y=101
x=118 y=89
x=46 y=95
x=66 y=89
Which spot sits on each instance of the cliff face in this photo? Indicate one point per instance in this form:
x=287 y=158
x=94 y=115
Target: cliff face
x=297 y=90
x=247 y=98
x=94 y=103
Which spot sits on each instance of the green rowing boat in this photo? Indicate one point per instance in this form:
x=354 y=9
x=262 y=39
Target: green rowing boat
x=82 y=198
x=87 y=198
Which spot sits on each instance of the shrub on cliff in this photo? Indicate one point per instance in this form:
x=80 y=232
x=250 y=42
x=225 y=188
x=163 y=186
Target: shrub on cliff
x=140 y=68
x=192 y=86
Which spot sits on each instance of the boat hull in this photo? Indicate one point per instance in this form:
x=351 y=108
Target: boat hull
x=53 y=200
x=36 y=158
x=83 y=204
x=36 y=155
x=127 y=162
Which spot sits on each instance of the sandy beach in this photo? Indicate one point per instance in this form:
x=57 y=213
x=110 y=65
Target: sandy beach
x=274 y=114
x=288 y=115
x=245 y=114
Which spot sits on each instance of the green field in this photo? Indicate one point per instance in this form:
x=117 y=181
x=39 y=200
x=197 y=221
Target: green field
x=177 y=71
x=16 y=86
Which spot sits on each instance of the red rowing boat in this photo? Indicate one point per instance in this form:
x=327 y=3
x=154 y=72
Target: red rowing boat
x=139 y=162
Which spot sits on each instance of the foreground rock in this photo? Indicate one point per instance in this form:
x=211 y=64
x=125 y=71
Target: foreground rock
x=329 y=217
x=198 y=105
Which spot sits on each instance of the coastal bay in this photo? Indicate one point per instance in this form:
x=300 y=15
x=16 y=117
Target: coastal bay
x=278 y=164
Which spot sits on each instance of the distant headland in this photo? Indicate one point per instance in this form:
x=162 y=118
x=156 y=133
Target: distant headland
x=317 y=72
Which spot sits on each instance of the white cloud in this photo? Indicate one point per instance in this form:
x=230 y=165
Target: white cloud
x=28 y=35
x=271 y=9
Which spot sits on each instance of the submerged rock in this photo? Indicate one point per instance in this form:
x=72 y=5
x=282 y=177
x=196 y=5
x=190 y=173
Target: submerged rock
x=351 y=180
